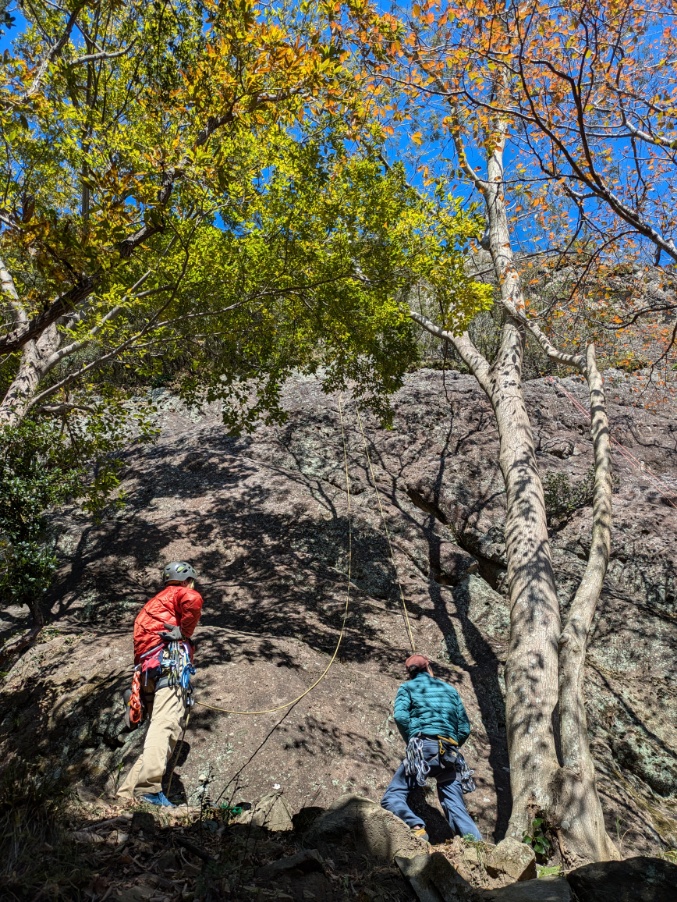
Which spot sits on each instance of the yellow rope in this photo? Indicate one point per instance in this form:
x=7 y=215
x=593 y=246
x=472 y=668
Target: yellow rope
x=345 y=611
x=405 y=612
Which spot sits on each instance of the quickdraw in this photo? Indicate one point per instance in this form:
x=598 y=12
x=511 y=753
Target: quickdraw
x=418 y=769
x=415 y=765
x=177 y=669
x=168 y=666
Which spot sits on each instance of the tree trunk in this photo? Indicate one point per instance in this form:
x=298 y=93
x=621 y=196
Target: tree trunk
x=579 y=810
x=35 y=363
x=531 y=667
x=545 y=665
x=532 y=662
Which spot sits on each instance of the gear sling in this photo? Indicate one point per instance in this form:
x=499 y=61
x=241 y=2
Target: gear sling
x=160 y=667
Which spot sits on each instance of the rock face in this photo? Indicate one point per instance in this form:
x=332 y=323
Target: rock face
x=512 y=858
x=367 y=827
x=634 y=880
x=265 y=519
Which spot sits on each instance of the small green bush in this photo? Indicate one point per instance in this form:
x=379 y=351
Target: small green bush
x=537 y=839
x=563 y=498
x=43 y=464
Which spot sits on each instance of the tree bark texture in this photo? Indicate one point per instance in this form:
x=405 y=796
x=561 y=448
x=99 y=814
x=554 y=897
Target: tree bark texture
x=545 y=666
x=531 y=670
x=37 y=358
x=532 y=662
x=583 y=834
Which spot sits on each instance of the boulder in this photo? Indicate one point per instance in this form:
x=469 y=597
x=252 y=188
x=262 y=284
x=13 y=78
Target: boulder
x=547 y=890
x=513 y=859
x=482 y=864
x=640 y=879
x=271 y=812
x=433 y=878
x=367 y=827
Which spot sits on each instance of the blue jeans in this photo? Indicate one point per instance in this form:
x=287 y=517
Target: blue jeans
x=448 y=790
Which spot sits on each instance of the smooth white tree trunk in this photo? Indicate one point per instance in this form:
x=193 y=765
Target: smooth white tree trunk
x=545 y=666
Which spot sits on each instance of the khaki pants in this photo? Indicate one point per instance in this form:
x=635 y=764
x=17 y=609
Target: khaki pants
x=166 y=724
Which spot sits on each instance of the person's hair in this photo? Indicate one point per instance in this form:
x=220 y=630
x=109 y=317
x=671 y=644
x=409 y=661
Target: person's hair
x=414 y=671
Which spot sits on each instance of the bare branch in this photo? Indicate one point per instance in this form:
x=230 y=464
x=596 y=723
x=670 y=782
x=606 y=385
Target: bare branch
x=475 y=361
x=54 y=52
x=103 y=55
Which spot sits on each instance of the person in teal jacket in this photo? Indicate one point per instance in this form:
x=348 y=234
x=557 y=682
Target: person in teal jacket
x=431 y=718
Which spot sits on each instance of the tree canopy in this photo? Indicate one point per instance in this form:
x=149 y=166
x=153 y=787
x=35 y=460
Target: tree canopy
x=195 y=194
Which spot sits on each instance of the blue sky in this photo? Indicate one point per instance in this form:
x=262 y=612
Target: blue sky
x=19 y=25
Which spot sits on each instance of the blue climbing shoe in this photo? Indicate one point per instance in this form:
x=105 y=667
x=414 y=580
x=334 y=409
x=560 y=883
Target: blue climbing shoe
x=157 y=798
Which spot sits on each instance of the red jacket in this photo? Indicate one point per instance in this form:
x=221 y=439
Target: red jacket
x=176 y=605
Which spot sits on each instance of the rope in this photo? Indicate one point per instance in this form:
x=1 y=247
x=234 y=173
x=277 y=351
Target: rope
x=345 y=610
x=175 y=757
x=405 y=612
x=665 y=490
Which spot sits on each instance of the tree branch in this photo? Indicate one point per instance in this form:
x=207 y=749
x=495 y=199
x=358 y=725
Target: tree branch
x=103 y=55
x=575 y=635
x=54 y=52
x=474 y=360
x=24 y=332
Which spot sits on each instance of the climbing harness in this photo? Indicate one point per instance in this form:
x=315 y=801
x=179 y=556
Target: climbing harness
x=405 y=612
x=164 y=666
x=317 y=682
x=418 y=769
x=443 y=742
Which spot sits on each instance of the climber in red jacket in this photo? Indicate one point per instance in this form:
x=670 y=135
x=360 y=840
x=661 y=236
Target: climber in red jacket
x=178 y=605
x=163 y=655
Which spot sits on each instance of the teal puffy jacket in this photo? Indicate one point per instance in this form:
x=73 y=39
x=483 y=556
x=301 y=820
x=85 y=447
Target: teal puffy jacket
x=431 y=707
